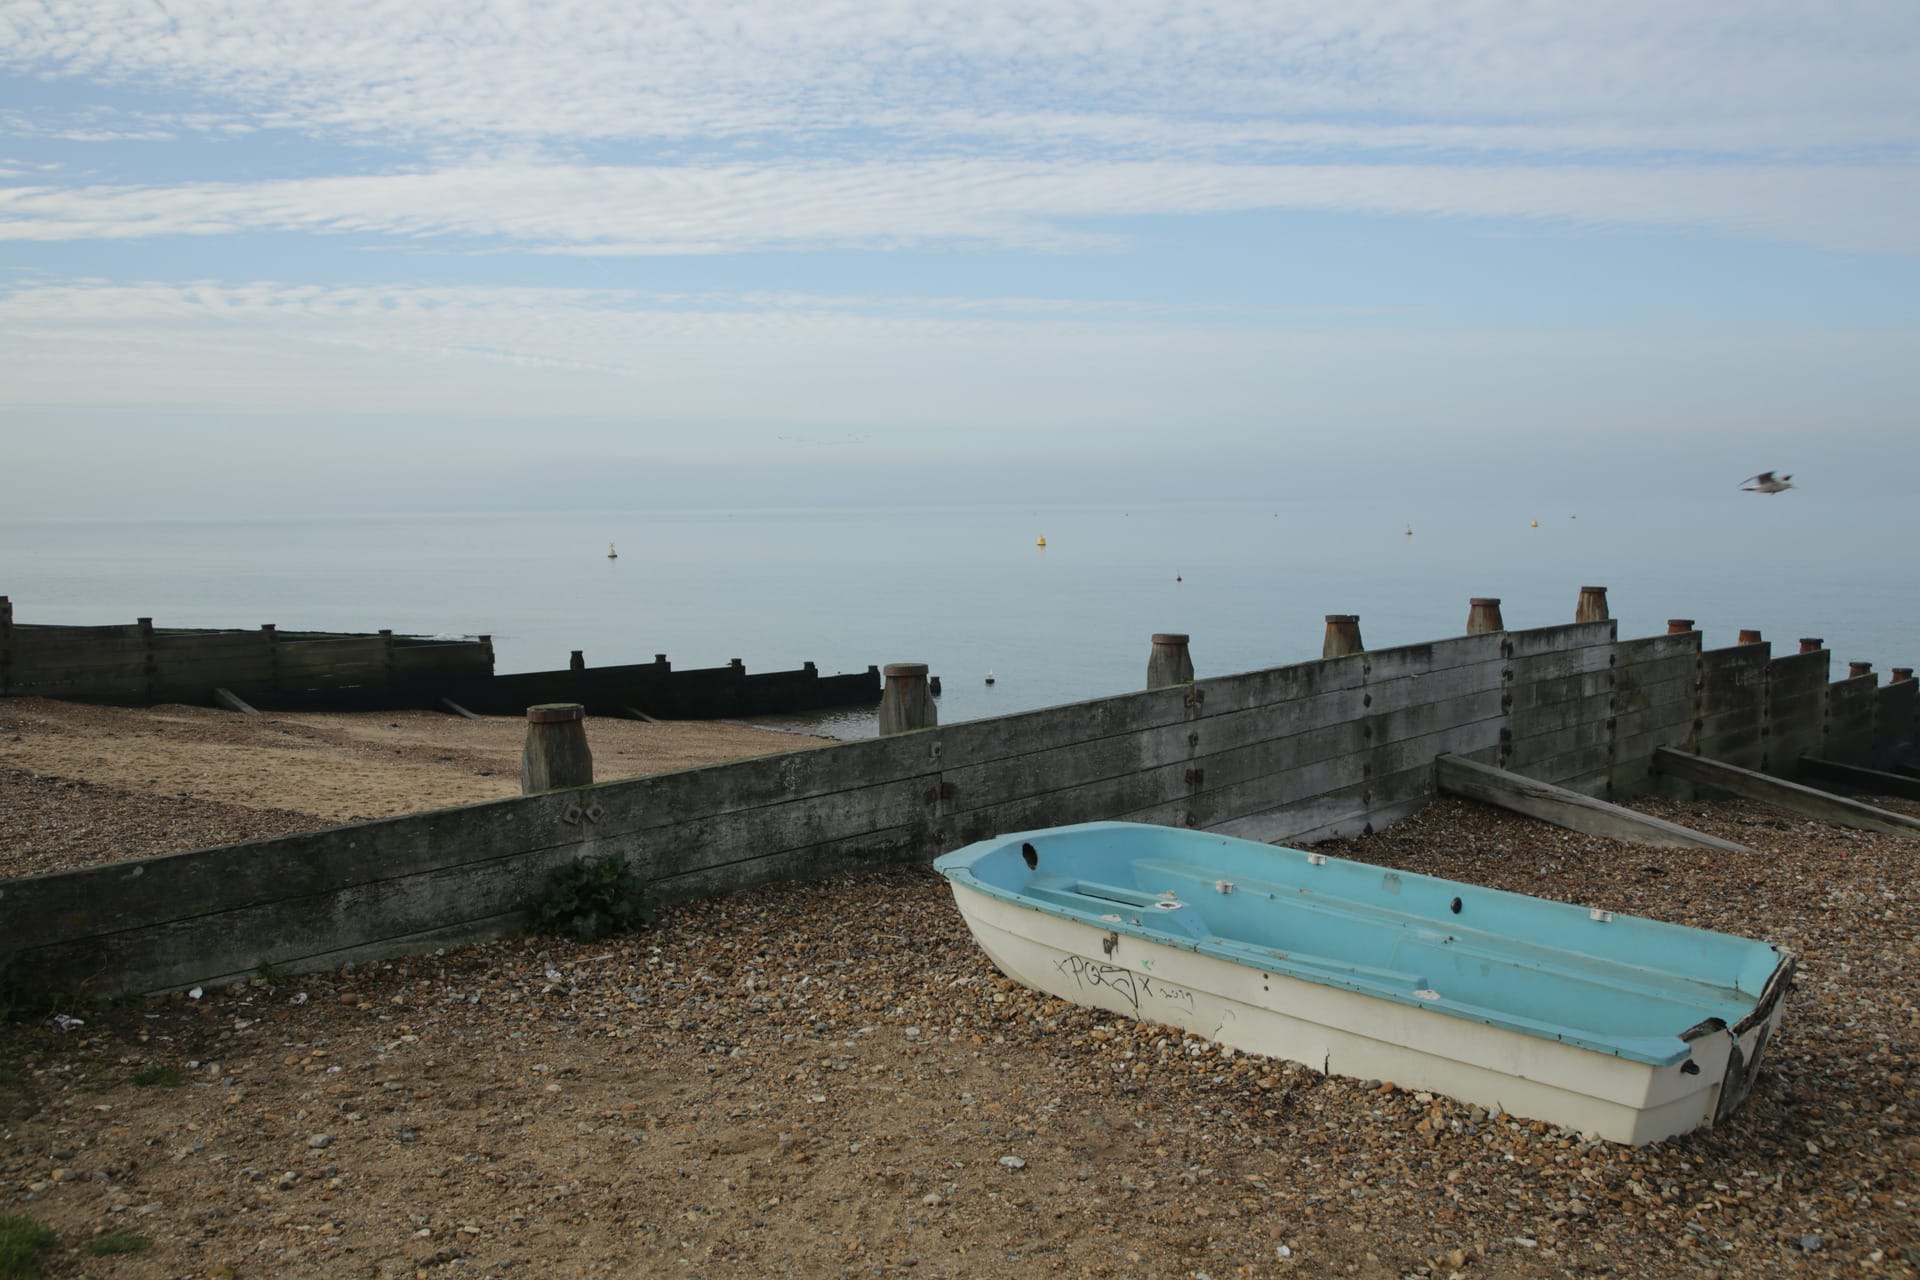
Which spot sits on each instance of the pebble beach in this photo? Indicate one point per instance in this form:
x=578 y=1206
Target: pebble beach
x=829 y=1079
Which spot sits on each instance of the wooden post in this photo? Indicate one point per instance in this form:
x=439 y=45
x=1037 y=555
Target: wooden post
x=1812 y=644
x=1900 y=674
x=6 y=644
x=1343 y=636
x=1679 y=626
x=1483 y=616
x=556 y=753
x=905 y=702
x=578 y=661
x=1592 y=606
x=149 y=661
x=270 y=636
x=1169 y=662
x=1749 y=636
x=1857 y=669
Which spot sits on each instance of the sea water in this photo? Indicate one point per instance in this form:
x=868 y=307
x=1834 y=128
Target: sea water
x=970 y=591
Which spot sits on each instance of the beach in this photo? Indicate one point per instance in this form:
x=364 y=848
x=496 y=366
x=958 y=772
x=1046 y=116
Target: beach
x=830 y=1079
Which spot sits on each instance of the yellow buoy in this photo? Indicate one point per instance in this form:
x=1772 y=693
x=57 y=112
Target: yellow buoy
x=1536 y=524
x=1042 y=541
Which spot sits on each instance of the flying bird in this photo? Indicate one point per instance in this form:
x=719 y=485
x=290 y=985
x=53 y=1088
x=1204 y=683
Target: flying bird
x=1766 y=482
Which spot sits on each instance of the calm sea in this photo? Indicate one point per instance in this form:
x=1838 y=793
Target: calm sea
x=967 y=590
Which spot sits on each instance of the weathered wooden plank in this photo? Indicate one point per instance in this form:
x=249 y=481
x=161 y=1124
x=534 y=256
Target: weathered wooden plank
x=976 y=741
x=1897 y=719
x=1567 y=808
x=1553 y=716
x=1425 y=659
x=1734 y=676
x=1564 y=638
x=1557 y=742
x=1847 y=734
x=1586 y=769
x=700 y=843
x=1343 y=812
x=1675 y=715
x=208 y=644
x=1873 y=782
x=81 y=686
x=459 y=710
x=1088 y=802
x=898 y=846
x=132 y=659
x=1777 y=791
x=1654 y=684
x=1266 y=791
x=1658 y=648
x=1537 y=694
x=1728 y=740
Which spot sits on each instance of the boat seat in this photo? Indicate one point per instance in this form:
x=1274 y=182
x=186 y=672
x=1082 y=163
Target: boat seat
x=1103 y=899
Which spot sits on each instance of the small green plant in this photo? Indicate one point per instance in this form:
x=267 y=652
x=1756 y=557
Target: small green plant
x=115 y=1242
x=591 y=900
x=147 y=1077
x=22 y=1241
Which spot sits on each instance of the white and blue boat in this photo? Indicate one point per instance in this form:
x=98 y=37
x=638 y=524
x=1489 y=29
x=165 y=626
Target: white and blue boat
x=1614 y=1025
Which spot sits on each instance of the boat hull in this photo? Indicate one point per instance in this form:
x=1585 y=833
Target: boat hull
x=1121 y=964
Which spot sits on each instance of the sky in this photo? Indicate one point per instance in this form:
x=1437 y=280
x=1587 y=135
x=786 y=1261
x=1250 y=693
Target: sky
x=324 y=255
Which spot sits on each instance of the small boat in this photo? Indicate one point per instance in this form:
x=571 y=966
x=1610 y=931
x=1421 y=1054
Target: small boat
x=611 y=553
x=1041 y=541
x=1613 y=1025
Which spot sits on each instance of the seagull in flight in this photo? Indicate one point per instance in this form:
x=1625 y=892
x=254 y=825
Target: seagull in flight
x=1767 y=482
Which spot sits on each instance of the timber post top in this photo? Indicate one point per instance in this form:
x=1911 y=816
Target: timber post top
x=556 y=713
x=1168 y=637
x=905 y=670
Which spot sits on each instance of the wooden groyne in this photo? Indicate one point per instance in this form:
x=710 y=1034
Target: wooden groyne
x=1292 y=753
x=266 y=668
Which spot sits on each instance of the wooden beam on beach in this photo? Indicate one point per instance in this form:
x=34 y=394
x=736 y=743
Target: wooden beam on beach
x=638 y=714
x=459 y=710
x=1459 y=776
x=1809 y=801
x=1872 y=781
x=232 y=701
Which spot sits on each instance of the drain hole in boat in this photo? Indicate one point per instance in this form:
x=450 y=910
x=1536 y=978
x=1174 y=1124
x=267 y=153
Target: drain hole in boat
x=1689 y=1068
x=1031 y=854
x=1454 y=906
x=1168 y=904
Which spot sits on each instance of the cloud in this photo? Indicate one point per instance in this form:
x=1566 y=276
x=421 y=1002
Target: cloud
x=1163 y=76
x=734 y=208
x=932 y=376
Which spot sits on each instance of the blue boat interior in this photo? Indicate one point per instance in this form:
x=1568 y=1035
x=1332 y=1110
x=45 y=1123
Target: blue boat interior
x=1618 y=984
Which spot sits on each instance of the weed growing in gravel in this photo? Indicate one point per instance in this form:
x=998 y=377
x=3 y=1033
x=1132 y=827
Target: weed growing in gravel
x=117 y=1242
x=591 y=900
x=147 y=1077
x=22 y=1241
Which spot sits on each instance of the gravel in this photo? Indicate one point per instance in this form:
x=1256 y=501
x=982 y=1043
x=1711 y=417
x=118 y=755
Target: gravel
x=830 y=1079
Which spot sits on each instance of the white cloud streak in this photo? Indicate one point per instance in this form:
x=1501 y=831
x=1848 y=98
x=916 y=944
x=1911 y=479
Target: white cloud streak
x=1157 y=74
x=730 y=208
x=930 y=375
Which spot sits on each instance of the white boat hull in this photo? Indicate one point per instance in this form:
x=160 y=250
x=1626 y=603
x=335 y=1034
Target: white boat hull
x=1349 y=1032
